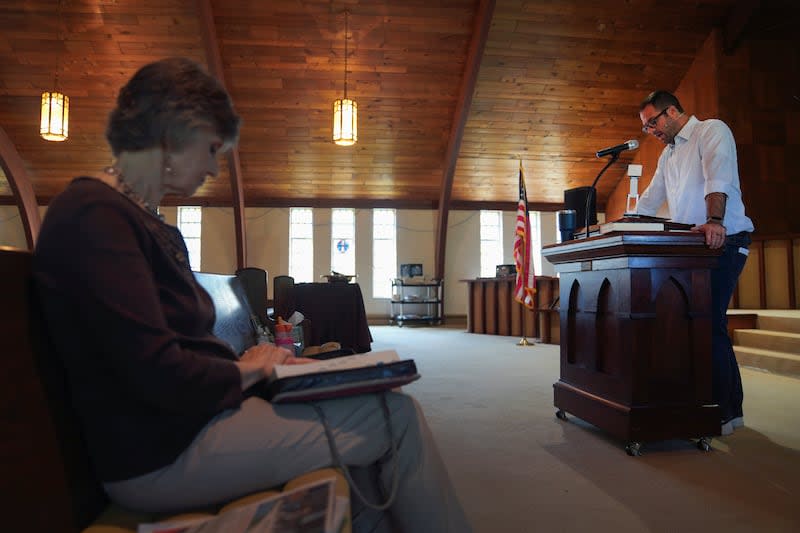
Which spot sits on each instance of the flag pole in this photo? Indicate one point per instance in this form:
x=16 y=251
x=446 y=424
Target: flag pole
x=525 y=285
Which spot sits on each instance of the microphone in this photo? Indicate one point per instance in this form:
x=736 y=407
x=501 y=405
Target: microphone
x=614 y=153
x=633 y=144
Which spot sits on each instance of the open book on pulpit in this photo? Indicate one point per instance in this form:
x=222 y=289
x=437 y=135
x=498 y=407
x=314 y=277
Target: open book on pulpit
x=341 y=376
x=633 y=222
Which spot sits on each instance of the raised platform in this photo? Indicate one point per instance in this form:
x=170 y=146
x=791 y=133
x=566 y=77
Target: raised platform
x=771 y=343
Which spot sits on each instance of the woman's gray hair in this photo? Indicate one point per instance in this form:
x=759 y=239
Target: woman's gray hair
x=164 y=103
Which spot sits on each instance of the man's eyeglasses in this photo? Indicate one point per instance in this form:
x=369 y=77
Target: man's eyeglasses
x=651 y=123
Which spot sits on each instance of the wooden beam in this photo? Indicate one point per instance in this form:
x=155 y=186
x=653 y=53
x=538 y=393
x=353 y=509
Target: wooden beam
x=214 y=59
x=329 y=203
x=483 y=19
x=20 y=184
x=474 y=205
x=735 y=25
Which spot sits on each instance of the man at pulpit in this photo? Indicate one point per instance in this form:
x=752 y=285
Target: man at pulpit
x=698 y=179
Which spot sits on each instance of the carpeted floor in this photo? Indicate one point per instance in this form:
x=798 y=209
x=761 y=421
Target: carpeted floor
x=519 y=469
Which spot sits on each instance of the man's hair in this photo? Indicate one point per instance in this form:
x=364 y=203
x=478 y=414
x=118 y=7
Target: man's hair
x=661 y=100
x=164 y=103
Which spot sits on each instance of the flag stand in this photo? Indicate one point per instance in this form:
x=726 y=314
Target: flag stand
x=525 y=342
x=525 y=286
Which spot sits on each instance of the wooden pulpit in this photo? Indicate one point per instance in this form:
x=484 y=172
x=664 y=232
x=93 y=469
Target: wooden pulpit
x=635 y=312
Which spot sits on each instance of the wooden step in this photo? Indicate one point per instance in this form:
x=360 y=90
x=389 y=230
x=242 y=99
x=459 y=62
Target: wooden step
x=738 y=320
x=789 y=324
x=778 y=341
x=769 y=360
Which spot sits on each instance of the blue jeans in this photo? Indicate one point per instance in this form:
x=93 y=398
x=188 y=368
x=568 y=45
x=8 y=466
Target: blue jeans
x=727 y=382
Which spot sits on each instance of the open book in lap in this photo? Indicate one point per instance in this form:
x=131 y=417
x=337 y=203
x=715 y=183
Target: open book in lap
x=342 y=376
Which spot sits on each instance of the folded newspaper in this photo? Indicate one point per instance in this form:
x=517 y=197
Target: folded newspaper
x=311 y=508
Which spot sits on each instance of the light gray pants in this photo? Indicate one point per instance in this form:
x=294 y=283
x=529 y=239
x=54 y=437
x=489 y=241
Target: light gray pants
x=262 y=445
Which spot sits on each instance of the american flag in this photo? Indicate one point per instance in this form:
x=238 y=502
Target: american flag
x=526 y=283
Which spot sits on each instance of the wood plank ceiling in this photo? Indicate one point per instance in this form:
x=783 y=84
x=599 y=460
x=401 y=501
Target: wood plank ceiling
x=558 y=80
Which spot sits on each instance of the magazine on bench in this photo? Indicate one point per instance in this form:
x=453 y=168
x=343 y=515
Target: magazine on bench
x=311 y=508
x=341 y=376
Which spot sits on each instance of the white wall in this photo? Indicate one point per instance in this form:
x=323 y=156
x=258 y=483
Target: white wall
x=267 y=231
x=11 y=231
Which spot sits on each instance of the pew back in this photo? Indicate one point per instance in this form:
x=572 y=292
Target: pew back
x=47 y=482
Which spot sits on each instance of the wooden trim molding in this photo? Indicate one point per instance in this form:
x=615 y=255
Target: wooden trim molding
x=214 y=58
x=759 y=243
x=483 y=20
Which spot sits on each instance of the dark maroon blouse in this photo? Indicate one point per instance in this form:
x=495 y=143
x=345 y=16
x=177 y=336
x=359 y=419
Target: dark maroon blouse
x=133 y=329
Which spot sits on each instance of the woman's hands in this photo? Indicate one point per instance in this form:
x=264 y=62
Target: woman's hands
x=258 y=361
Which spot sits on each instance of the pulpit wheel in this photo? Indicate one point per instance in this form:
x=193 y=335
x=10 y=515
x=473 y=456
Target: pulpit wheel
x=634 y=449
x=704 y=444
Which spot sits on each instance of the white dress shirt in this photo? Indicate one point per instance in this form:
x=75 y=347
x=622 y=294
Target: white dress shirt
x=702 y=160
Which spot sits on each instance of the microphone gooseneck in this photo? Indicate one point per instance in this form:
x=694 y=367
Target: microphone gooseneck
x=593 y=191
x=614 y=152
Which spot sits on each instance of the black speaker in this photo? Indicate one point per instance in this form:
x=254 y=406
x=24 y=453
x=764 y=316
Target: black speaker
x=576 y=199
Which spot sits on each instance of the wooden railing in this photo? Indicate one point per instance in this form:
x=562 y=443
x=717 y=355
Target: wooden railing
x=770 y=278
x=494 y=311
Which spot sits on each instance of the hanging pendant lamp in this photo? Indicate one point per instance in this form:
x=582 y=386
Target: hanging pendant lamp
x=54 y=125
x=54 y=122
x=345 y=110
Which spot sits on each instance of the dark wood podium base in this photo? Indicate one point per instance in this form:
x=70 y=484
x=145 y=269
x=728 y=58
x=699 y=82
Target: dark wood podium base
x=636 y=336
x=640 y=424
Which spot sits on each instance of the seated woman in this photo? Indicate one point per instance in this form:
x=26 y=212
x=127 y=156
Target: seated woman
x=167 y=409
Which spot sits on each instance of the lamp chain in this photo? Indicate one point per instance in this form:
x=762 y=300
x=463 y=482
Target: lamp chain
x=58 y=53
x=345 y=55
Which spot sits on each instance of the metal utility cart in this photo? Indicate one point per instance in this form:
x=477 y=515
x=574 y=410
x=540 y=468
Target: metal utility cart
x=417 y=302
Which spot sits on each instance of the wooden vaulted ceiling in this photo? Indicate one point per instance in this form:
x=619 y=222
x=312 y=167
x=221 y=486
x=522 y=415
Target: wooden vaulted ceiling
x=555 y=80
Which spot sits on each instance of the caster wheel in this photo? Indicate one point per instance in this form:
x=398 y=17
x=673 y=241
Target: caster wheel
x=704 y=444
x=633 y=449
x=561 y=415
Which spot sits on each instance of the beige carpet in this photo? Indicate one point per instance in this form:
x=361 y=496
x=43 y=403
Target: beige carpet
x=519 y=469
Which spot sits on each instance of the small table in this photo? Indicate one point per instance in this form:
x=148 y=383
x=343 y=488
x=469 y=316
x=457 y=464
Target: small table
x=336 y=311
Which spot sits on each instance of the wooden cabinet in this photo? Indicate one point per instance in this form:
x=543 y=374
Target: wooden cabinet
x=494 y=311
x=416 y=302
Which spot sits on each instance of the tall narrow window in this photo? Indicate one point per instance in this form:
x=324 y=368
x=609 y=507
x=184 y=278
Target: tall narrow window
x=491 y=242
x=536 y=240
x=301 y=244
x=190 y=222
x=343 y=241
x=384 y=252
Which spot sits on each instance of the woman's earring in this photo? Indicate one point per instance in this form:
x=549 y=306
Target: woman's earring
x=168 y=169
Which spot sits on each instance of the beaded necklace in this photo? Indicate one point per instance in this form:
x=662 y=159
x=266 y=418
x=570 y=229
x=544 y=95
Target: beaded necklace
x=128 y=192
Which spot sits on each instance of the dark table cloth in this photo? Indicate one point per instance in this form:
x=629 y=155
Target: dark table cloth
x=336 y=312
